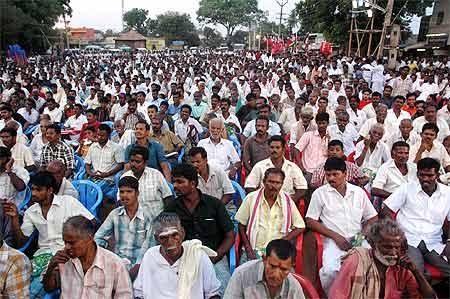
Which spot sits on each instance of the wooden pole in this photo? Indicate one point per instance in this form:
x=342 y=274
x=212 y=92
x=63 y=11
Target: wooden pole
x=370 y=37
x=349 y=51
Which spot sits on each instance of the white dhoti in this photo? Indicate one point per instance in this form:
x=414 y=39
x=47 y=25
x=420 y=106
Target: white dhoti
x=331 y=262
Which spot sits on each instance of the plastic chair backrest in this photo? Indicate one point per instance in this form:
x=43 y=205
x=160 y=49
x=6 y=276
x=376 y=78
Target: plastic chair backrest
x=90 y=195
x=181 y=155
x=109 y=123
x=26 y=200
x=79 y=168
x=172 y=189
x=307 y=286
x=239 y=191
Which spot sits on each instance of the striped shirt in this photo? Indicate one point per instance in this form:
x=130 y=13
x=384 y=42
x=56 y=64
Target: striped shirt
x=59 y=151
x=152 y=189
x=15 y=273
x=105 y=158
x=106 y=278
x=132 y=236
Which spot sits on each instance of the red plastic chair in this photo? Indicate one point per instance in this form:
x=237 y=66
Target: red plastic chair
x=307 y=287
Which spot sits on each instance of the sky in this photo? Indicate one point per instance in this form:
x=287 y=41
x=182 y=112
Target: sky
x=106 y=14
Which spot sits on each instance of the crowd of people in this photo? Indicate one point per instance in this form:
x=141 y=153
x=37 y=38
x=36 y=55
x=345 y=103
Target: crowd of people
x=196 y=153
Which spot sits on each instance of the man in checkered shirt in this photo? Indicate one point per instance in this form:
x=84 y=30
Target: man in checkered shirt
x=55 y=149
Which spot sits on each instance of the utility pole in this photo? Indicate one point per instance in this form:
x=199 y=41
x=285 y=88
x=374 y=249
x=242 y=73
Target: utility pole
x=387 y=23
x=123 y=12
x=282 y=4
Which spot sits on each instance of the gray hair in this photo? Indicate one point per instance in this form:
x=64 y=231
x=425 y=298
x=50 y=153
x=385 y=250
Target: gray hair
x=307 y=111
x=377 y=126
x=343 y=114
x=408 y=120
x=381 y=106
x=217 y=121
x=83 y=226
x=165 y=219
x=387 y=226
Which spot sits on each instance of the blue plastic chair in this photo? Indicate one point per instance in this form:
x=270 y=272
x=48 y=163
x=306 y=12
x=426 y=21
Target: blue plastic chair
x=26 y=200
x=181 y=155
x=30 y=129
x=80 y=170
x=109 y=123
x=91 y=195
x=55 y=294
x=239 y=192
x=30 y=240
x=172 y=189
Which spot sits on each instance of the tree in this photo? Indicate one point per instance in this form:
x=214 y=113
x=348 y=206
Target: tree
x=332 y=18
x=136 y=19
x=231 y=14
x=29 y=23
x=176 y=26
x=212 y=37
x=239 y=37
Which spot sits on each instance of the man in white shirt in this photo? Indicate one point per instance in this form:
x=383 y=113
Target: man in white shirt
x=421 y=212
x=371 y=153
x=404 y=133
x=429 y=147
x=430 y=116
x=76 y=121
x=337 y=211
x=335 y=93
x=428 y=87
x=370 y=109
x=345 y=132
x=21 y=154
x=250 y=128
x=186 y=127
x=176 y=269
x=53 y=111
x=395 y=172
x=395 y=115
x=221 y=152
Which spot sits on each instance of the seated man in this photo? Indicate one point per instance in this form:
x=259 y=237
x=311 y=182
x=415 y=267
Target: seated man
x=421 y=211
x=269 y=278
x=371 y=153
x=337 y=211
x=186 y=127
x=129 y=225
x=63 y=185
x=170 y=142
x=429 y=147
x=156 y=158
x=15 y=271
x=256 y=148
x=154 y=192
x=20 y=153
x=104 y=159
x=175 y=269
x=84 y=270
x=39 y=140
x=294 y=184
x=395 y=172
x=76 y=121
x=56 y=208
x=56 y=149
x=91 y=117
x=221 y=152
x=312 y=146
x=305 y=124
x=250 y=128
x=204 y=218
x=344 y=131
x=13 y=178
x=354 y=173
x=267 y=214
x=385 y=271
x=404 y=133
x=212 y=180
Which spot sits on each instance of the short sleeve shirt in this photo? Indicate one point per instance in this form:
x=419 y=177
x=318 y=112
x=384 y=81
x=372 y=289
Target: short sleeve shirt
x=208 y=222
x=155 y=154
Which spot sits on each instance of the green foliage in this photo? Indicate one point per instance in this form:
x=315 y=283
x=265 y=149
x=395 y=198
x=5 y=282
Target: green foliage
x=239 y=37
x=231 y=14
x=136 y=19
x=332 y=17
x=212 y=37
x=24 y=22
x=176 y=26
